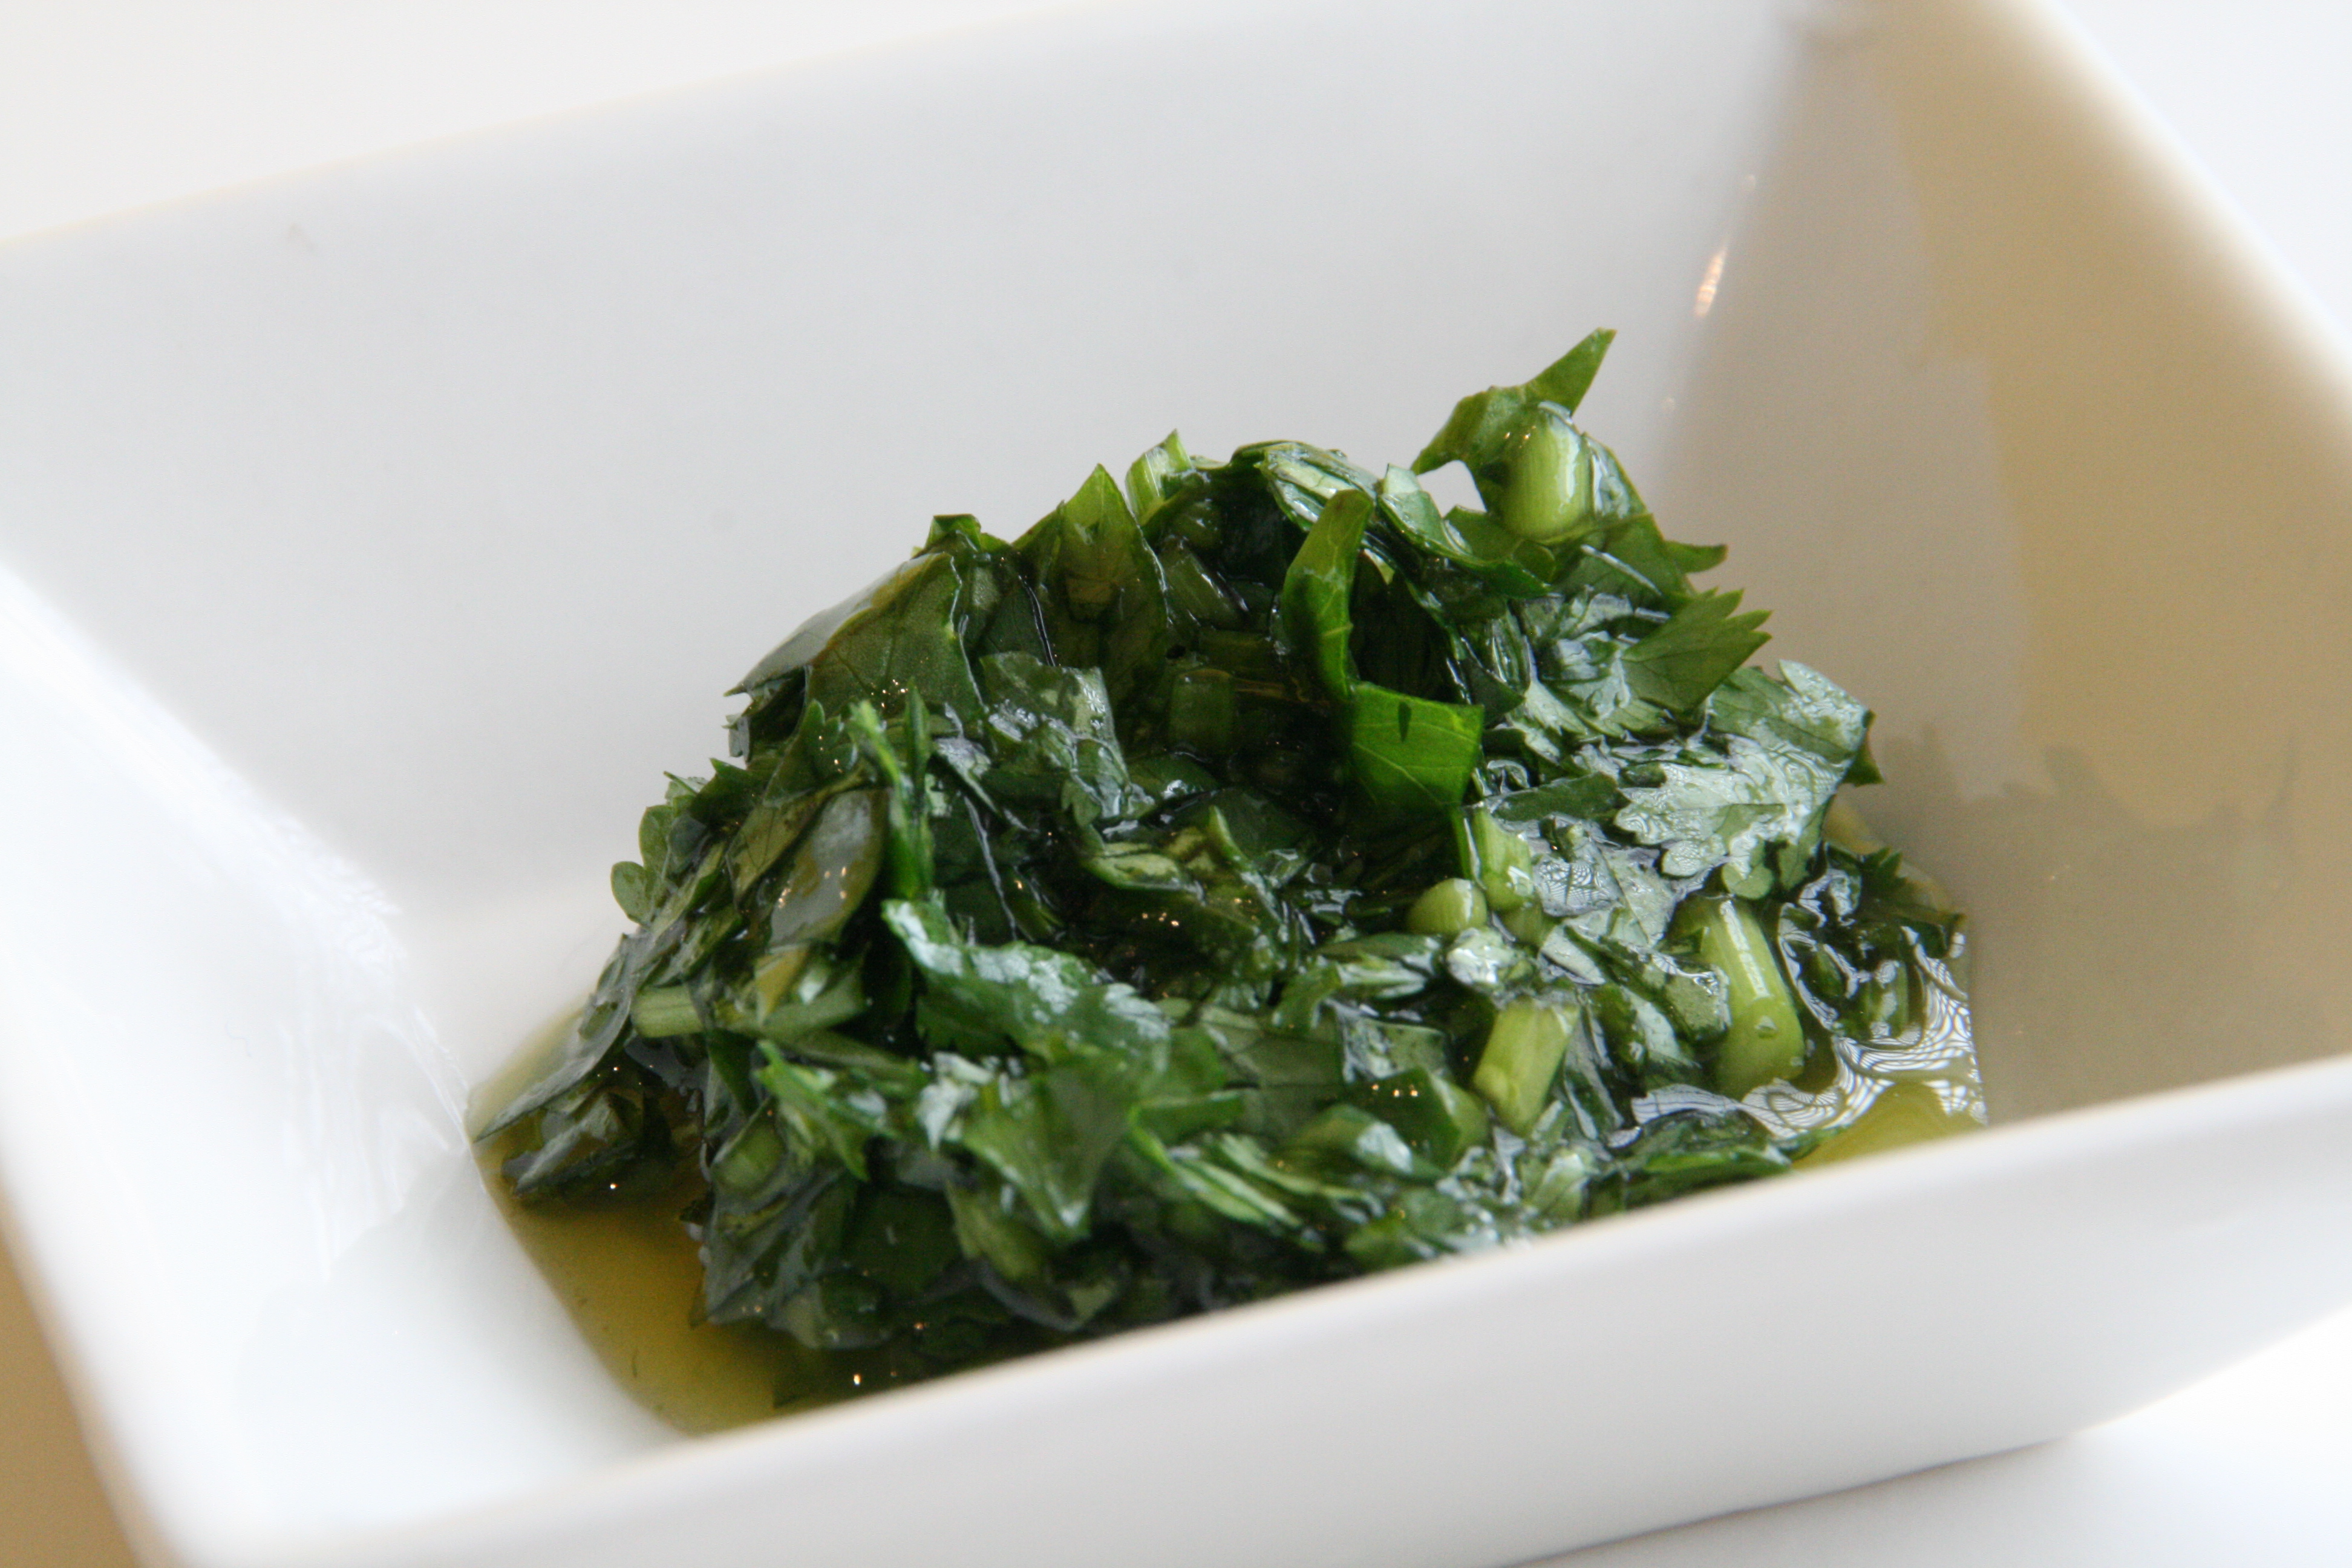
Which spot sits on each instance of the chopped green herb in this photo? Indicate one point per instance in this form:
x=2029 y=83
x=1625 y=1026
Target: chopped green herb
x=1250 y=877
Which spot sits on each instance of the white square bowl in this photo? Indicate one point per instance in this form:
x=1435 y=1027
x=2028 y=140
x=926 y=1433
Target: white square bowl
x=369 y=541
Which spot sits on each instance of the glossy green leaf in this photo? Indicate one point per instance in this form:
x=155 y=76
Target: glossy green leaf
x=1316 y=591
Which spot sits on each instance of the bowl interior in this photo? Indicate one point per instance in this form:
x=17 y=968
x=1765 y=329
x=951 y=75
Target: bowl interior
x=2071 y=486
x=372 y=541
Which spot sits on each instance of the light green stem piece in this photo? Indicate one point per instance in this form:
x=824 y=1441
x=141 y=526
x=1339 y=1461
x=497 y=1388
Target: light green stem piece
x=1528 y=925
x=1521 y=1061
x=1765 y=1041
x=1447 y=909
x=1549 y=495
x=1500 y=860
x=667 y=1011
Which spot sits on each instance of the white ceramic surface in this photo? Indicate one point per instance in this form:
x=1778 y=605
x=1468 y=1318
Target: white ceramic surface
x=373 y=540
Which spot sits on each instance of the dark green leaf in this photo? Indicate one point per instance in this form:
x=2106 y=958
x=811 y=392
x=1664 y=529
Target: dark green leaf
x=1678 y=665
x=1413 y=754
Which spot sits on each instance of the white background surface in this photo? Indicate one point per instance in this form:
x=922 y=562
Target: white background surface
x=105 y=105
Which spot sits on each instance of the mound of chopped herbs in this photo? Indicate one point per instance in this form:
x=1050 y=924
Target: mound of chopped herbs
x=1252 y=875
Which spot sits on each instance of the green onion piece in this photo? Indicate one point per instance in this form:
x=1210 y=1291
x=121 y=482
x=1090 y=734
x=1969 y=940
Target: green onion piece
x=1500 y=861
x=660 y=1014
x=1765 y=1041
x=1447 y=909
x=1524 y=1050
x=1528 y=925
x=1548 y=493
